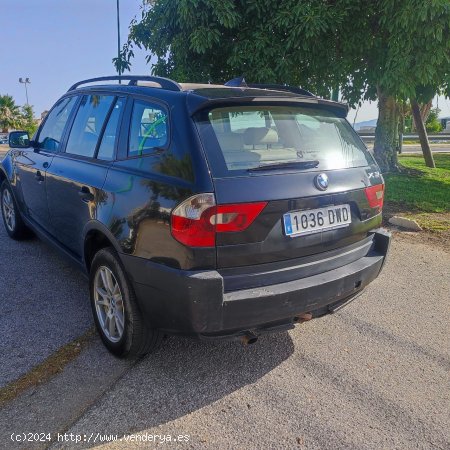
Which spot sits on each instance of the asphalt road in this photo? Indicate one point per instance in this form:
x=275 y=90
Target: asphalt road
x=43 y=304
x=374 y=375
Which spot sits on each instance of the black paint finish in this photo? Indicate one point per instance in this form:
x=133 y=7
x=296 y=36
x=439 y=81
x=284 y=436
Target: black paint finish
x=69 y=200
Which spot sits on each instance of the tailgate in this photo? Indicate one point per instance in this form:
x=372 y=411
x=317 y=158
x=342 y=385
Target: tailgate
x=267 y=240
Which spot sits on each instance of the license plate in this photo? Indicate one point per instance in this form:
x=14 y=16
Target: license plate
x=310 y=221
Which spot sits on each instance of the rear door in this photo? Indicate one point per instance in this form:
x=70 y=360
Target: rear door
x=309 y=167
x=76 y=177
x=33 y=163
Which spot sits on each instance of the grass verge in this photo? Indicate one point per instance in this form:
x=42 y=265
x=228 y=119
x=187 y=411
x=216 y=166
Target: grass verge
x=41 y=373
x=421 y=193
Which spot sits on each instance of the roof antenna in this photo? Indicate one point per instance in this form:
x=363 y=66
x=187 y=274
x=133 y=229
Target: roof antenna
x=237 y=82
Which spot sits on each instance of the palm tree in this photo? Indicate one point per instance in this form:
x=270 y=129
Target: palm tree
x=10 y=115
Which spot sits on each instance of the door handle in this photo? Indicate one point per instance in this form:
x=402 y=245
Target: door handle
x=38 y=176
x=85 y=194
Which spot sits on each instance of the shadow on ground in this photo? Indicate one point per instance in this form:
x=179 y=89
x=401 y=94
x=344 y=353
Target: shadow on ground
x=44 y=304
x=184 y=376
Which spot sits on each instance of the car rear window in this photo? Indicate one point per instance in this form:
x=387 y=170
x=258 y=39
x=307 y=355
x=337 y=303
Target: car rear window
x=239 y=138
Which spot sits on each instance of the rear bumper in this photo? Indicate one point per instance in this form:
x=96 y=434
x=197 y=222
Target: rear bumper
x=187 y=302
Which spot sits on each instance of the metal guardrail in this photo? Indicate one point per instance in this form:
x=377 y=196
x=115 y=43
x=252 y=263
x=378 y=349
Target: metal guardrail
x=431 y=137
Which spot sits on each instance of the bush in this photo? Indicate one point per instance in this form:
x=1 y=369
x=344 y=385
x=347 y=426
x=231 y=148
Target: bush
x=433 y=124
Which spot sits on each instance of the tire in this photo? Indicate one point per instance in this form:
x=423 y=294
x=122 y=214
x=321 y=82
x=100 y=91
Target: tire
x=119 y=322
x=14 y=225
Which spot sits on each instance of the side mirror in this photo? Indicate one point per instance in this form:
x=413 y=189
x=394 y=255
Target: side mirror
x=19 y=139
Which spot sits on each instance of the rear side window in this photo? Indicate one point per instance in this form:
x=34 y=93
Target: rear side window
x=53 y=128
x=149 y=129
x=88 y=124
x=239 y=138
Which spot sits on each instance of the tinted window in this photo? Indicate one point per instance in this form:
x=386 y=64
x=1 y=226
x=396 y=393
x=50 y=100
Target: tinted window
x=88 y=124
x=148 y=128
x=250 y=136
x=53 y=128
x=240 y=122
x=106 y=149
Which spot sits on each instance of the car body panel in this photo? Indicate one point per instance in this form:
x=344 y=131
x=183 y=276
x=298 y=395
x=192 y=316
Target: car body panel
x=251 y=280
x=31 y=167
x=69 y=210
x=265 y=240
x=138 y=215
x=196 y=303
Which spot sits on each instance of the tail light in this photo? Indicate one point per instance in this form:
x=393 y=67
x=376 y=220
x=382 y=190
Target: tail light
x=375 y=195
x=196 y=221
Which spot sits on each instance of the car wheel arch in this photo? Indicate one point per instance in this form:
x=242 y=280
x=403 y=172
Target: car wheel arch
x=7 y=167
x=96 y=237
x=5 y=176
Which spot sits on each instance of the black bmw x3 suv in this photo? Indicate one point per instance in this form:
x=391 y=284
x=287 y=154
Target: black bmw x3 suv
x=217 y=211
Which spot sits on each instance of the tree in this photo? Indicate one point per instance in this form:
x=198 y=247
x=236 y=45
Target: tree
x=369 y=49
x=433 y=125
x=422 y=127
x=405 y=54
x=214 y=41
x=422 y=132
x=10 y=116
x=28 y=121
x=14 y=117
x=425 y=109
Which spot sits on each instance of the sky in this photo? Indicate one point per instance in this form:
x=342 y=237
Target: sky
x=56 y=43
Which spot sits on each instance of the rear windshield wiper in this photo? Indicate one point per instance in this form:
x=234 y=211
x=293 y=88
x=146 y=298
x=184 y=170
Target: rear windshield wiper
x=286 y=165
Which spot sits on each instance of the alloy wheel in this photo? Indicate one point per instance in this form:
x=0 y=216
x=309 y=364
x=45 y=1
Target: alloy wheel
x=109 y=304
x=9 y=212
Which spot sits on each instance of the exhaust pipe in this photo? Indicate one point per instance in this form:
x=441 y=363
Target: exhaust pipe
x=304 y=317
x=249 y=338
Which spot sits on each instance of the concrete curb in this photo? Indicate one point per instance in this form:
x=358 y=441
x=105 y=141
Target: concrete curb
x=407 y=224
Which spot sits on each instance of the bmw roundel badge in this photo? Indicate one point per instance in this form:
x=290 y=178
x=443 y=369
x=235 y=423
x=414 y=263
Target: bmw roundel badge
x=321 y=181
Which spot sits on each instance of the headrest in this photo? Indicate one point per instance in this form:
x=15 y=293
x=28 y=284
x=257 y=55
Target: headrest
x=257 y=136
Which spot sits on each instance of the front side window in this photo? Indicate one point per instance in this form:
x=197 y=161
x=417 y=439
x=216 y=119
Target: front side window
x=53 y=128
x=88 y=124
x=240 y=138
x=149 y=129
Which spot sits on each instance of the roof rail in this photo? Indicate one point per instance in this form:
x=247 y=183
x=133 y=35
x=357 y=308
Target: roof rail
x=283 y=87
x=165 y=83
x=236 y=82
